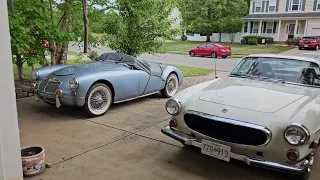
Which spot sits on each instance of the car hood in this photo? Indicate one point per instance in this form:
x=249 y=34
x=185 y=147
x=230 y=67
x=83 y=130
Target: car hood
x=252 y=94
x=89 y=67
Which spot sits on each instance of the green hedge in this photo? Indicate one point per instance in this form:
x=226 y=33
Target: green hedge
x=254 y=40
x=293 y=42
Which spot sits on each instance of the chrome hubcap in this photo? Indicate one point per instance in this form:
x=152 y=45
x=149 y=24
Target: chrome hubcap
x=171 y=86
x=98 y=100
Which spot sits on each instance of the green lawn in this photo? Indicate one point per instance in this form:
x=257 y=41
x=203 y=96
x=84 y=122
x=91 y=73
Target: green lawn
x=187 y=71
x=238 y=50
x=193 y=71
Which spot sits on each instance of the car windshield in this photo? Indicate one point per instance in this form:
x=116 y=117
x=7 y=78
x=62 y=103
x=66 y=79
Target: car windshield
x=279 y=69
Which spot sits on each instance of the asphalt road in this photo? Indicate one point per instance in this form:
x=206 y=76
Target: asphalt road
x=175 y=59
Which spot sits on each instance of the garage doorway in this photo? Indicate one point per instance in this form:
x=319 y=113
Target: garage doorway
x=315 y=32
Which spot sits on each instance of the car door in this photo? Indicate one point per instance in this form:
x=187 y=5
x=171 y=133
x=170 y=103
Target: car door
x=208 y=49
x=201 y=49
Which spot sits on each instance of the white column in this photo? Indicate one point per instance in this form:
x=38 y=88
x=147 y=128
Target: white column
x=260 y=24
x=248 y=27
x=295 y=28
x=279 y=28
x=305 y=28
x=10 y=157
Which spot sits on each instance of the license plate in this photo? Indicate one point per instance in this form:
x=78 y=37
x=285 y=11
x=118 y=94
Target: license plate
x=216 y=150
x=305 y=45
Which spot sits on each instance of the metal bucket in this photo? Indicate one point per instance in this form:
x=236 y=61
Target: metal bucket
x=33 y=160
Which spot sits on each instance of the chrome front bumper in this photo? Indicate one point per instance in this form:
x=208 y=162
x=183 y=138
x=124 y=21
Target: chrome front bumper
x=299 y=168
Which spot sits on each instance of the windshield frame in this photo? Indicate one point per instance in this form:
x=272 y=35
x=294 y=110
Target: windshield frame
x=249 y=76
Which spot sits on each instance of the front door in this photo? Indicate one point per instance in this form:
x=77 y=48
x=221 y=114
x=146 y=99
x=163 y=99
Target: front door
x=290 y=30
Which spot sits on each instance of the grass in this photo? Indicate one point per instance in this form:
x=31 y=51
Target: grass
x=73 y=53
x=193 y=71
x=238 y=50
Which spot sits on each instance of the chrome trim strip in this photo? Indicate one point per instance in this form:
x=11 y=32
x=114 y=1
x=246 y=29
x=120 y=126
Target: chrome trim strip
x=136 y=97
x=300 y=167
x=299 y=126
x=234 y=122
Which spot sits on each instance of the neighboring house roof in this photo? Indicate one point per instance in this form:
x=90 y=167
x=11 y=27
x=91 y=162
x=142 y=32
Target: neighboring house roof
x=280 y=16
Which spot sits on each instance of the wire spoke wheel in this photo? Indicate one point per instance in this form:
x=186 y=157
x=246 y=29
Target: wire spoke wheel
x=98 y=100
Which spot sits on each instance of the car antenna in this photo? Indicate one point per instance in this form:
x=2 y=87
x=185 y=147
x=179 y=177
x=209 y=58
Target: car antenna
x=215 y=67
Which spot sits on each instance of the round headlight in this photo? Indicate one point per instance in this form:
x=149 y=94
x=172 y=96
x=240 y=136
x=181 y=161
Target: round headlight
x=296 y=134
x=35 y=75
x=74 y=83
x=173 y=107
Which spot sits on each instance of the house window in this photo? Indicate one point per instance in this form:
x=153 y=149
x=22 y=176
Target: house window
x=269 y=27
x=258 y=7
x=318 y=4
x=272 y=5
x=295 y=5
x=255 y=28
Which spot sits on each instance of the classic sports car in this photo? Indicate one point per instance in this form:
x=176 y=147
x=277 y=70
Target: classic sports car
x=113 y=78
x=265 y=113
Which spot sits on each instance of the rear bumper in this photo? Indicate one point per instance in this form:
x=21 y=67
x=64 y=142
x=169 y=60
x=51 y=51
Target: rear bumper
x=299 y=168
x=307 y=46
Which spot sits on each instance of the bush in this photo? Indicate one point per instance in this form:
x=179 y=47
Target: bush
x=184 y=38
x=93 y=55
x=268 y=40
x=252 y=41
x=293 y=42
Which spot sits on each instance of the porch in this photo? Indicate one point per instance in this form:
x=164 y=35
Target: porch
x=279 y=30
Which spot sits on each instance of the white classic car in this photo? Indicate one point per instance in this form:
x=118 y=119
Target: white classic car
x=266 y=113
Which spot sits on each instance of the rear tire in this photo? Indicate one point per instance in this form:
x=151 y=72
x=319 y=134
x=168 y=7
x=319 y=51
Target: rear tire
x=171 y=87
x=192 y=54
x=98 y=100
x=300 y=48
x=224 y=57
x=214 y=55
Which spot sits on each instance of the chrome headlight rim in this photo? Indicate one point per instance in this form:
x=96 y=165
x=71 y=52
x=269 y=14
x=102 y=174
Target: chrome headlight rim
x=74 y=85
x=179 y=106
x=35 y=75
x=304 y=129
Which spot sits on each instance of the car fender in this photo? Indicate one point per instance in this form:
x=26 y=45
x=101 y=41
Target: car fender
x=45 y=71
x=171 y=69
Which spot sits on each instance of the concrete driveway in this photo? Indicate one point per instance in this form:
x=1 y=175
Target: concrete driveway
x=126 y=143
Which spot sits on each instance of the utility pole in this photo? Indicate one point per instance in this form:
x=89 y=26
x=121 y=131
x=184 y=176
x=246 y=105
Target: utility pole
x=85 y=23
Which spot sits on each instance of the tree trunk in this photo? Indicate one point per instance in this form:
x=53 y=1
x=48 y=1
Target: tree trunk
x=11 y=5
x=85 y=23
x=20 y=67
x=232 y=36
x=208 y=36
x=220 y=37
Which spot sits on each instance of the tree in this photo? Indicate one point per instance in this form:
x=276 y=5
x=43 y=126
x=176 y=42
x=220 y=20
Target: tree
x=232 y=23
x=202 y=16
x=85 y=23
x=142 y=26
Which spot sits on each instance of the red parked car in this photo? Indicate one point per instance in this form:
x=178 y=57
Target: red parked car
x=211 y=49
x=309 y=42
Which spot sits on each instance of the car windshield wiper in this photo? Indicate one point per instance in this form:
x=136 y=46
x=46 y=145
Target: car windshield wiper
x=243 y=75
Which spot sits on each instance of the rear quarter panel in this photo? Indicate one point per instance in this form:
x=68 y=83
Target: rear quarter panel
x=172 y=69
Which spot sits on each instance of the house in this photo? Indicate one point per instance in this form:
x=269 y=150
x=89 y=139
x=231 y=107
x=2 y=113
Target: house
x=283 y=19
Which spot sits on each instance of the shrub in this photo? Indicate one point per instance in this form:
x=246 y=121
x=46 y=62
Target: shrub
x=184 y=38
x=252 y=41
x=93 y=55
x=268 y=40
x=293 y=42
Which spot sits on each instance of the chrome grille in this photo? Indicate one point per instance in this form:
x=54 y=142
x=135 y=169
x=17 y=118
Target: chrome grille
x=49 y=85
x=227 y=130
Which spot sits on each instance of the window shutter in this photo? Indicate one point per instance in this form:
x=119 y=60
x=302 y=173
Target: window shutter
x=315 y=5
x=251 y=27
x=303 y=4
x=263 y=4
x=253 y=6
x=287 y=5
x=267 y=6
x=264 y=27
x=277 y=6
x=274 y=27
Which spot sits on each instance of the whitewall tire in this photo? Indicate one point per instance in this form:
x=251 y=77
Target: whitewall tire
x=98 y=100
x=171 y=86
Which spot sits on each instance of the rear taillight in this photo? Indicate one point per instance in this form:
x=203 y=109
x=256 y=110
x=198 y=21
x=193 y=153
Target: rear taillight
x=301 y=41
x=314 y=41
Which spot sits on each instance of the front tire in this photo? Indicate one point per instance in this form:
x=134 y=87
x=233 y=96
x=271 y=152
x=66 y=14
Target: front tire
x=171 y=86
x=224 y=57
x=98 y=100
x=192 y=54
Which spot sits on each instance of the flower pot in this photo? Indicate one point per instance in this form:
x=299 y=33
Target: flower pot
x=33 y=160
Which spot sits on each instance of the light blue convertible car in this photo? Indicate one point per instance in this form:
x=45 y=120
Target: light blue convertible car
x=113 y=78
